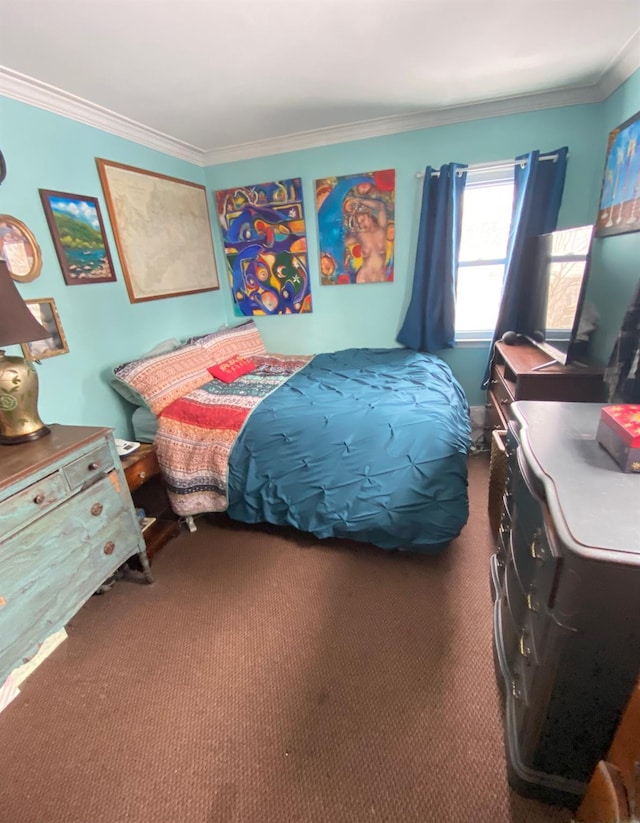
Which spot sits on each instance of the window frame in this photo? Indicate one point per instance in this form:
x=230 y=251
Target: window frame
x=484 y=177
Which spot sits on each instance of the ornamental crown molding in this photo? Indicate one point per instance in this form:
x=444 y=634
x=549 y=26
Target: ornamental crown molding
x=35 y=93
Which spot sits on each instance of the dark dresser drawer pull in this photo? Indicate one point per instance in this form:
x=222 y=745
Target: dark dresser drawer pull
x=536 y=548
x=532 y=603
x=38 y=499
x=93 y=466
x=96 y=509
x=525 y=650
x=516 y=691
x=109 y=547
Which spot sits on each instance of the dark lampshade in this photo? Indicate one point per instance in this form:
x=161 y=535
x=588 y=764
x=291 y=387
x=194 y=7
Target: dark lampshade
x=17 y=324
x=19 y=419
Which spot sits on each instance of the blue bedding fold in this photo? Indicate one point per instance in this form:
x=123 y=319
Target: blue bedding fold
x=367 y=444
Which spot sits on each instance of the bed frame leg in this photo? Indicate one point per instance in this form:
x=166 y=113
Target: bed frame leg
x=191 y=524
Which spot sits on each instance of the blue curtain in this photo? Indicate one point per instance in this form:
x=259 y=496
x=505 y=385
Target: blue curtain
x=429 y=324
x=538 y=186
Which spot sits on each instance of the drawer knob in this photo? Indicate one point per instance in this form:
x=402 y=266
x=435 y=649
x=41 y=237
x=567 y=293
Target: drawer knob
x=38 y=499
x=142 y=475
x=505 y=402
x=93 y=466
x=516 y=691
x=96 y=509
x=525 y=649
x=109 y=547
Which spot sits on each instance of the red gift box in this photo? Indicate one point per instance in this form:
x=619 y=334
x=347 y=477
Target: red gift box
x=619 y=433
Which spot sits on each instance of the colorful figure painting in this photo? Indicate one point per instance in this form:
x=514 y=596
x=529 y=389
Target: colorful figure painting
x=265 y=244
x=356 y=225
x=619 y=210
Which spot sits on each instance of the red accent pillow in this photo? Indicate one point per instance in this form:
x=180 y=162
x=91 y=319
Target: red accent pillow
x=229 y=370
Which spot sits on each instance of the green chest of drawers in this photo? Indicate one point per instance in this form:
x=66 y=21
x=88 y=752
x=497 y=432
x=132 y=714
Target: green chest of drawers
x=67 y=523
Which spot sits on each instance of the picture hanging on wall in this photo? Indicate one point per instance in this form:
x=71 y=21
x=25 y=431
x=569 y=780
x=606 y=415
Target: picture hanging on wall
x=78 y=235
x=45 y=312
x=356 y=227
x=162 y=231
x=265 y=244
x=619 y=210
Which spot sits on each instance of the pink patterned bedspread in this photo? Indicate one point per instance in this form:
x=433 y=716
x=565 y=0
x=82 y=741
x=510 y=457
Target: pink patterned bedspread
x=196 y=433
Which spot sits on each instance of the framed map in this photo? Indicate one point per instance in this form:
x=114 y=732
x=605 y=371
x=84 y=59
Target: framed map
x=162 y=231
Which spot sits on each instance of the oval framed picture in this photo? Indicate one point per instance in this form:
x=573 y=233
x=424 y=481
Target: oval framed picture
x=19 y=249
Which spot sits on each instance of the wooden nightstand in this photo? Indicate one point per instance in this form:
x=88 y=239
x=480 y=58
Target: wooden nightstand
x=143 y=476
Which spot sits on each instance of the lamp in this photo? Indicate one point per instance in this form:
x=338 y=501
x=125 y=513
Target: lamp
x=19 y=420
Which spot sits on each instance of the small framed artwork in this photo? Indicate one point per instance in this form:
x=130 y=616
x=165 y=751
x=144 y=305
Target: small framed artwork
x=19 y=249
x=79 y=238
x=619 y=209
x=45 y=312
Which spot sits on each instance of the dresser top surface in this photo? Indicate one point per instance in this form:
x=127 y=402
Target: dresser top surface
x=17 y=461
x=598 y=502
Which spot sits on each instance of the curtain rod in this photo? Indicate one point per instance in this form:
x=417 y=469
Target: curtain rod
x=502 y=164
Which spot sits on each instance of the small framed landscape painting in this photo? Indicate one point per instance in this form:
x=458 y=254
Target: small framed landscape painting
x=79 y=238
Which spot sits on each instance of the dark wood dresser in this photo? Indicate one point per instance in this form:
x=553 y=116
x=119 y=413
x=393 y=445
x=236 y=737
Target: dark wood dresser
x=515 y=376
x=565 y=579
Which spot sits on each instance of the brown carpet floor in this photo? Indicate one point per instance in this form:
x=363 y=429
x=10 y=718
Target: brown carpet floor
x=270 y=677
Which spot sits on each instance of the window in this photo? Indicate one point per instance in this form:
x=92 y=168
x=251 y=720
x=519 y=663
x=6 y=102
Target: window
x=486 y=219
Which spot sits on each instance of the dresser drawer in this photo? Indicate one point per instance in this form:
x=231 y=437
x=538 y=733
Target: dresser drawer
x=54 y=565
x=89 y=466
x=142 y=470
x=21 y=508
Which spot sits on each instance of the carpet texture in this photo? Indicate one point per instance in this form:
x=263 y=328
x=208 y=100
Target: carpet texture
x=270 y=677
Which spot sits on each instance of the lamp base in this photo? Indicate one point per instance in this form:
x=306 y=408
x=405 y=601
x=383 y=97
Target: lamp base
x=19 y=419
x=7 y=440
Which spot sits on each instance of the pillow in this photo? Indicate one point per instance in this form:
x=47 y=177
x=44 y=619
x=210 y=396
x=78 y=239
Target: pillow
x=164 y=378
x=125 y=390
x=244 y=340
x=231 y=369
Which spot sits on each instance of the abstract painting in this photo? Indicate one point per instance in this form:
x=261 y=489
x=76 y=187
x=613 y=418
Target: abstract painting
x=78 y=235
x=265 y=244
x=356 y=225
x=619 y=210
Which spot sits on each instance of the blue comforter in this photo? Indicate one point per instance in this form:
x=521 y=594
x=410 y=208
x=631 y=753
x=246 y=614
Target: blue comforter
x=368 y=444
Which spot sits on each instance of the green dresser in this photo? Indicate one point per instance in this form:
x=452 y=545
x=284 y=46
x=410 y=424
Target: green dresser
x=67 y=522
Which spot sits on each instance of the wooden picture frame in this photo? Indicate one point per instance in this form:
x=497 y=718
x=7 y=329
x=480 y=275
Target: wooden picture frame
x=619 y=208
x=78 y=234
x=162 y=230
x=19 y=249
x=45 y=312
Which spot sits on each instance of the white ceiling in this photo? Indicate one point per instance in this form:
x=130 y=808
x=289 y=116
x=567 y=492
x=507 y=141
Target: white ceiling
x=222 y=76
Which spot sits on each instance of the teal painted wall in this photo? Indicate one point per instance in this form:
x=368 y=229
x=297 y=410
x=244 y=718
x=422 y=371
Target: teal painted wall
x=370 y=315
x=45 y=150
x=615 y=271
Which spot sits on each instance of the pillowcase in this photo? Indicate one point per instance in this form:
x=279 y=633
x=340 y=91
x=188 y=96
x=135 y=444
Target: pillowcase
x=231 y=369
x=164 y=378
x=129 y=393
x=244 y=340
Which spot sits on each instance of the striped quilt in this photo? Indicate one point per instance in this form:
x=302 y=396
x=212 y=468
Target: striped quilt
x=196 y=433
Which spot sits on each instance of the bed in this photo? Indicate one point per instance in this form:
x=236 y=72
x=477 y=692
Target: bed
x=367 y=444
